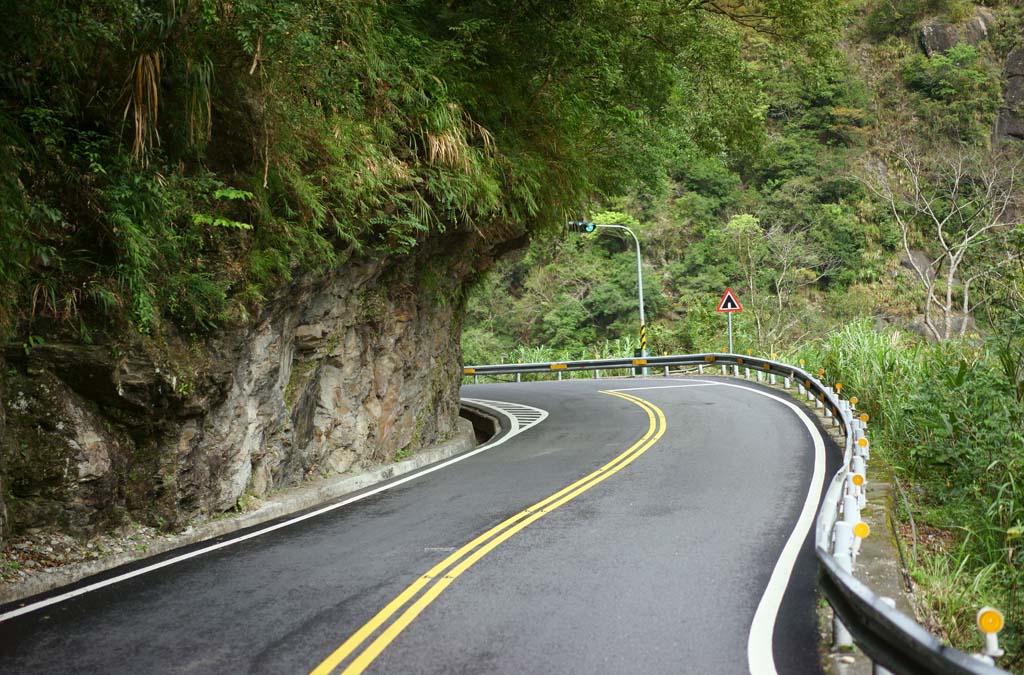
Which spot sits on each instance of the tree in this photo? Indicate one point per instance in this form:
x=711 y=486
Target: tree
x=958 y=204
x=775 y=264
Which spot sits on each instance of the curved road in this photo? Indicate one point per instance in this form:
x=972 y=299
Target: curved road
x=634 y=531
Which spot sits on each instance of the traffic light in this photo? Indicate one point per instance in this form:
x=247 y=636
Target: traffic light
x=581 y=226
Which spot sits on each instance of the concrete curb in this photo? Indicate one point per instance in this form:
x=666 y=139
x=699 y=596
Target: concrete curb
x=284 y=503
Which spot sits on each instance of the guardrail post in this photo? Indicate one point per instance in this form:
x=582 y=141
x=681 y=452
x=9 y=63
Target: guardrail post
x=760 y=376
x=725 y=369
x=597 y=373
x=851 y=510
x=877 y=669
x=559 y=376
x=785 y=382
x=700 y=368
x=666 y=371
x=476 y=379
x=736 y=371
x=842 y=543
x=519 y=377
x=841 y=638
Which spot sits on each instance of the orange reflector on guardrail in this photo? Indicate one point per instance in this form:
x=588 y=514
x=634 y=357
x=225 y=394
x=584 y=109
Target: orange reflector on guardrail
x=709 y=358
x=858 y=479
x=990 y=620
x=861 y=530
x=639 y=362
x=469 y=371
x=558 y=366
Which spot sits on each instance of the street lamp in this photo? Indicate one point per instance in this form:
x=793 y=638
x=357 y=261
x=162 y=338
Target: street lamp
x=587 y=226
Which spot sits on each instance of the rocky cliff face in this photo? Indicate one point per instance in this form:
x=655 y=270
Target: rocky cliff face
x=1010 y=122
x=334 y=375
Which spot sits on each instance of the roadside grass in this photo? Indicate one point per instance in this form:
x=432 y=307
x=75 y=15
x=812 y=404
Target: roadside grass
x=947 y=418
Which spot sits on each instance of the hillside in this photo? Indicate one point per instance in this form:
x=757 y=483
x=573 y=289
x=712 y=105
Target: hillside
x=875 y=232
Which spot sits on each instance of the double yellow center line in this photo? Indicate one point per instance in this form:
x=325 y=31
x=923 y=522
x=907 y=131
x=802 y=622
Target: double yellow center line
x=441 y=575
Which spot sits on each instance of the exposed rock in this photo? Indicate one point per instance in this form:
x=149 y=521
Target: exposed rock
x=1014 y=66
x=938 y=36
x=336 y=374
x=59 y=456
x=1010 y=122
x=918 y=259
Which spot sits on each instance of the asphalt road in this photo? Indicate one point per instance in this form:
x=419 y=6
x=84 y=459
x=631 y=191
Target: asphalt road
x=656 y=563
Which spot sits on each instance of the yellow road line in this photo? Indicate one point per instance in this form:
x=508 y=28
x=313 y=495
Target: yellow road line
x=497 y=535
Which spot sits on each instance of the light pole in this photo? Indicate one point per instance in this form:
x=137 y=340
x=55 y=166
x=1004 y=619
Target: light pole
x=639 y=285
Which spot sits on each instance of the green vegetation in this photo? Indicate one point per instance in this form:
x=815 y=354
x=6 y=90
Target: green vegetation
x=874 y=232
x=170 y=164
x=947 y=417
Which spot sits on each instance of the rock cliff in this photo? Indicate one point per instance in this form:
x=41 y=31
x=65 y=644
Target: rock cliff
x=335 y=374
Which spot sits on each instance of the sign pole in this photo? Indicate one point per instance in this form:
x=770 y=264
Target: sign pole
x=730 y=331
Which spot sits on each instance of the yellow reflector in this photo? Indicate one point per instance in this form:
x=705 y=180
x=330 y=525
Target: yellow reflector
x=853 y=400
x=774 y=356
x=725 y=350
x=808 y=384
x=862 y=442
x=821 y=371
x=740 y=360
x=990 y=620
x=559 y=366
x=861 y=530
x=864 y=417
x=749 y=352
x=839 y=386
x=468 y=371
x=639 y=362
x=801 y=363
x=709 y=358
x=858 y=479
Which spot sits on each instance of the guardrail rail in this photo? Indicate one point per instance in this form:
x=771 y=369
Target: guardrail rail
x=895 y=642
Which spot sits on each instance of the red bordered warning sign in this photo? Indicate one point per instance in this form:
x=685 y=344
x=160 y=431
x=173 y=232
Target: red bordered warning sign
x=729 y=303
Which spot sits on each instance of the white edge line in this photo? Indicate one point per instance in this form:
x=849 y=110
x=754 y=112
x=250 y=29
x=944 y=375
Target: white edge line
x=760 y=657
x=514 y=431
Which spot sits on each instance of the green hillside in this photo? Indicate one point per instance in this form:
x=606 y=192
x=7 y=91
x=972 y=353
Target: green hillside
x=874 y=231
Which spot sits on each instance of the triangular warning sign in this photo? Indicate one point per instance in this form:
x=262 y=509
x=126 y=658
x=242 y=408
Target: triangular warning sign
x=729 y=303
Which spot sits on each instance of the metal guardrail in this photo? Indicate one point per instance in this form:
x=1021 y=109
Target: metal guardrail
x=895 y=642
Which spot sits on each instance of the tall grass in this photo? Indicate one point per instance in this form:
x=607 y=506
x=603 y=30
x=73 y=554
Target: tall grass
x=947 y=417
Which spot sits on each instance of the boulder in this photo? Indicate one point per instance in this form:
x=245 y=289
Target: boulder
x=938 y=36
x=1009 y=124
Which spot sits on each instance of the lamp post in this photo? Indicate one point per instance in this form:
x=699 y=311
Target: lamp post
x=639 y=286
